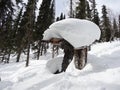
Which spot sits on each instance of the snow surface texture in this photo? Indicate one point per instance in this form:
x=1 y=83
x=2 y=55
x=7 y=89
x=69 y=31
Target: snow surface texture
x=102 y=72
x=76 y=31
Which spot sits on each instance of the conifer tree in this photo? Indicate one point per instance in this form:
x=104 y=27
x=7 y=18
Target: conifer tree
x=115 y=28
x=71 y=9
x=88 y=11
x=57 y=19
x=26 y=28
x=62 y=16
x=51 y=12
x=16 y=34
x=105 y=25
x=9 y=36
x=96 y=18
x=94 y=13
x=6 y=10
x=93 y=8
x=6 y=6
x=6 y=21
x=81 y=9
x=45 y=18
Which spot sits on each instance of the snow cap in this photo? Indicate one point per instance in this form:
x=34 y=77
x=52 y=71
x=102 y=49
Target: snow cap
x=77 y=32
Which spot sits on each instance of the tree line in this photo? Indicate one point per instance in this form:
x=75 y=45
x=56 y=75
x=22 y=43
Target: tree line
x=110 y=28
x=21 y=30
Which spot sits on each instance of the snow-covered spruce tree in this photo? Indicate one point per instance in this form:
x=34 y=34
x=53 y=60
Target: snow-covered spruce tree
x=81 y=9
x=93 y=9
x=105 y=25
x=94 y=13
x=26 y=28
x=45 y=18
x=96 y=19
x=88 y=11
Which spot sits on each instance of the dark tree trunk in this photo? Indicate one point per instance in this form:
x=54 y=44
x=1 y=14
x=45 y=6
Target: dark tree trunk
x=38 y=53
x=28 y=54
x=20 y=50
x=41 y=49
x=80 y=58
x=45 y=48
x=18 y=56
x=68 y=56
x=8 y=59
x=86 y=50
x=3 y=57
x=57 y=50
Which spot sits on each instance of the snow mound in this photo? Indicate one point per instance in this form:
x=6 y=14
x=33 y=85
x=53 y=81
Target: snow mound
x=54 y=64
x=76 y=31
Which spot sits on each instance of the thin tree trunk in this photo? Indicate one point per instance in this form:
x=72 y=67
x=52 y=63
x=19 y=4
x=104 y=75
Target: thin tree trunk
x=8 y=59
x=28 y=53
x=3 y=57
x=57 y=48
x=41 y=49
x=53 y=51
x=45 y=47
x=18 y=56
x=38 y=53
x=86 y=54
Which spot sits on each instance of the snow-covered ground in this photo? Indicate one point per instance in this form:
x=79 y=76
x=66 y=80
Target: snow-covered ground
x=102 y=72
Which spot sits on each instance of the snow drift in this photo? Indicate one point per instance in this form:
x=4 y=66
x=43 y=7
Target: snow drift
x=76 y=31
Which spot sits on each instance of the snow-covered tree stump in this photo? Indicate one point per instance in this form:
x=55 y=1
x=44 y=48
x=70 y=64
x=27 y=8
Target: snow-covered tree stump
x=78 y=35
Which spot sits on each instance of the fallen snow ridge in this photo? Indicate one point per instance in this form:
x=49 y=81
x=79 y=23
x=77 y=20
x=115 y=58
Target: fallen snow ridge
x=76 y=31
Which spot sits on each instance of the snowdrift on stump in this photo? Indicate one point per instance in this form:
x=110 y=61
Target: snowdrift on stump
x=76 y=31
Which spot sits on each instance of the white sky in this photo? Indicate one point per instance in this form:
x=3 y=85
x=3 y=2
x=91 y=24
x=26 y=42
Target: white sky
x=63 y=6
x=113 y=5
